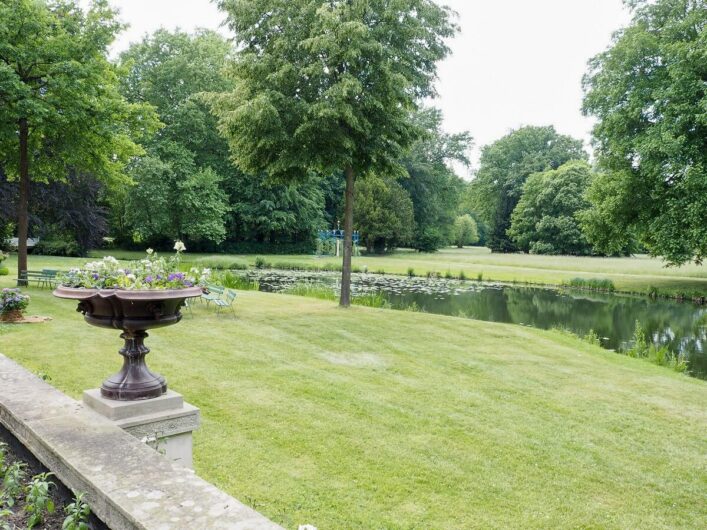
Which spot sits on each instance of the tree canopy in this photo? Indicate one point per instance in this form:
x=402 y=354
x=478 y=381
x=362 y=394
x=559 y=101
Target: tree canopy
x=431 y=182
x=503 y=168
x=648 y=93
x=329 y=88
x=544 y=221
x=384 y=214
x=59 y=98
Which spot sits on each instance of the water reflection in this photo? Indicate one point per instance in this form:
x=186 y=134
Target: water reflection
x=680 y=326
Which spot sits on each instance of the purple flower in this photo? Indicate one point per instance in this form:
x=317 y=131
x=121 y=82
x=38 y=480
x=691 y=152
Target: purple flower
x=95 y=276
x=148 y=279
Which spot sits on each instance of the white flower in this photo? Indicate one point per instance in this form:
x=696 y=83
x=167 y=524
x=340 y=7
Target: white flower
x=130 y=277
x=110 y=259
x=307 y=527
x=150 y=251
x=206 y=272
x=179 y=246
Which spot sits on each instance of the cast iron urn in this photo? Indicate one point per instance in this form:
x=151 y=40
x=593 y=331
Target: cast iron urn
x=134 y=312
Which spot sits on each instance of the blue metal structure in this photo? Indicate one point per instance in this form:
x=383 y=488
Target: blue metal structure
x=338 y=234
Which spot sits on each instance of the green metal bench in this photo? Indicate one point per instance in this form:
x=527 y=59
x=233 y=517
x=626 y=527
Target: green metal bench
x=43 y=278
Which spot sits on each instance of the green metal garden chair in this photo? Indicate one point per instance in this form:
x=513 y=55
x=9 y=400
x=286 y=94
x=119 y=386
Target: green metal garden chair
x=226 y=303
x=215 y=292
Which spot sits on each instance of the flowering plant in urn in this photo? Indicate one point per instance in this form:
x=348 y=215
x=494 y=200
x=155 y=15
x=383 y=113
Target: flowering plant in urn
x=152 y=272
x=133 y=297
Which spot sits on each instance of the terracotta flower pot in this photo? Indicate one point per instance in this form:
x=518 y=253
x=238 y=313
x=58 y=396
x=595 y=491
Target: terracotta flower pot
x=134 y=312
x=11 y=316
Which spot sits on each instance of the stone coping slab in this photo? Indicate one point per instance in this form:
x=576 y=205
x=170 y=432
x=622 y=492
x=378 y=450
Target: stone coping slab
x=127 y=484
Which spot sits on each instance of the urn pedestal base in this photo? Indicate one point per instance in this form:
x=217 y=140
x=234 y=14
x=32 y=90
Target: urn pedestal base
x=165 y=423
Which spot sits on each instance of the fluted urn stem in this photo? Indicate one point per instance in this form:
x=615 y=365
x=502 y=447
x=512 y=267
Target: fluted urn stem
x=135 y=380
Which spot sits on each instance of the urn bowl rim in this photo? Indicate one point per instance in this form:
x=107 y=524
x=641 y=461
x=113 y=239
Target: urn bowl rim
x=83 y=293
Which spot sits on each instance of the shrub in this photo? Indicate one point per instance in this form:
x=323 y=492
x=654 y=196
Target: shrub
x=12 y=300
x=246 y=247
x=236 y=281
x=262 y=263
x=480 y=277
x=592 y=338
x=462 y=276
x=411 y=272
x=58 y=247
x=4 y=271
x=465 y=231
x=640 y=342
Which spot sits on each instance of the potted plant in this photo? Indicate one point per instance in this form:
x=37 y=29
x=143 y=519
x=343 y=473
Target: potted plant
x=12 y=305
x=143 y=295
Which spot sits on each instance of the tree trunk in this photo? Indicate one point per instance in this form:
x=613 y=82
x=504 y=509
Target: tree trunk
x=345 y=300
x=23 y=205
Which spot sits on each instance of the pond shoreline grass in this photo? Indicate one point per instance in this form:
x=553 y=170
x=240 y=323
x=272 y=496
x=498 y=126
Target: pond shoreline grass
x=640 y=275
x=365 y=418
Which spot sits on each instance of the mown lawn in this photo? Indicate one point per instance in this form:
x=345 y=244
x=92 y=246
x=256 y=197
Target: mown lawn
x=367 y=418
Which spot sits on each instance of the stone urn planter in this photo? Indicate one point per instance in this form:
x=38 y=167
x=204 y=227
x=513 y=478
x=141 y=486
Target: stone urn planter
x=133 y=312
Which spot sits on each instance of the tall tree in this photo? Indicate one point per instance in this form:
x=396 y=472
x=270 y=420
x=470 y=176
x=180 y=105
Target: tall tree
x=434 y=187
x=171 y=70
x=648 y=93
x=60 y=109
x=329 y=87
x=503 y=169
x=188 y=161
x=384 y=214
x=545 y=219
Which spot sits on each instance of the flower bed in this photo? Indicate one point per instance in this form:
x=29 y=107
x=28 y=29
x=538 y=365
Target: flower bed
x=31 y=497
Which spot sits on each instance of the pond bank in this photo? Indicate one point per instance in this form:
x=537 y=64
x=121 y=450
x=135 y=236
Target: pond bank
x=680 y=328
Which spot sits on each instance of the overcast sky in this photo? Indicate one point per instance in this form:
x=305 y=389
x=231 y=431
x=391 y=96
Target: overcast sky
x=515 y=62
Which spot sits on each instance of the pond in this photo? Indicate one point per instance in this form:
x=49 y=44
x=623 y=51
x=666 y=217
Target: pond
x=681 y=326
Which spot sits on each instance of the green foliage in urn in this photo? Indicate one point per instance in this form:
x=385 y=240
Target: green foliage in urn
x=544 y=221
x=504 y=167
x=153 y=272
x=328 y=88
x=648 y=93
x=60 y=107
